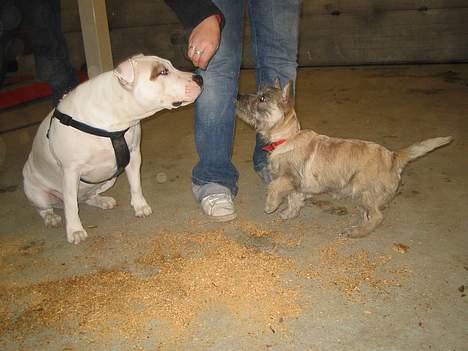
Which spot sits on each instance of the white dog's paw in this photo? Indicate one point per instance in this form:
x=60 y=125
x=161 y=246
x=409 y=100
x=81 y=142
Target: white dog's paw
x=143 y=211
x=77 y=236
x=52 y=220
x=104 y=202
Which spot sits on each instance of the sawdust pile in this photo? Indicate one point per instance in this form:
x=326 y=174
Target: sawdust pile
x=254 y=230
x=190 y=273
x=183 y=275
x=210 y=268
x=291 y=239
x=352 y=273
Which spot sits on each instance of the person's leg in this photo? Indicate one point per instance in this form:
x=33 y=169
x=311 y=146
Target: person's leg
x=49 y=47
x=215 y=110
x=274 y=31
x=10 y=20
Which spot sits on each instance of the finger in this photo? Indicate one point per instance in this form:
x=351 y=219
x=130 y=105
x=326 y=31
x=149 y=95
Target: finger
x=196 y=59
x=195 y=53
x=206 y=57
x=190 y=51
x=203 y=61
x=197 y=56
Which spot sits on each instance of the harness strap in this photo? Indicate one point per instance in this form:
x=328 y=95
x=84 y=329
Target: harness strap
x=69 y=121
x=122 y=154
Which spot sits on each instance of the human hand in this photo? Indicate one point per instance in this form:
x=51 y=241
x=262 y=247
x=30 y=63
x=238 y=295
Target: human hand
x=204 y=41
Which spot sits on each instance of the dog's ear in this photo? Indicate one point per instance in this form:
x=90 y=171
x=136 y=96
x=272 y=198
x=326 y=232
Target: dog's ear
x=125 y=73
x=288 y=92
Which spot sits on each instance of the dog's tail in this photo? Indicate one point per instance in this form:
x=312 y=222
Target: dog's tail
x=412 y=152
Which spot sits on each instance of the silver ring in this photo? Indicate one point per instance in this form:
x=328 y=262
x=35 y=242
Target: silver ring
x=197 y=51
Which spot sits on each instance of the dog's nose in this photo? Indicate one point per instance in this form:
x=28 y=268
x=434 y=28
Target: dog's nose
x=198 y=79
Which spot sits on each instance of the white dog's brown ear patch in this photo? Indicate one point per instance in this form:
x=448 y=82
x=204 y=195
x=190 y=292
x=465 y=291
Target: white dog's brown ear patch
x=125 y=73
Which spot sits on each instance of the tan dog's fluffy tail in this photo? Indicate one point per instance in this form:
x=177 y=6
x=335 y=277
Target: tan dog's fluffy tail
x=417 y=150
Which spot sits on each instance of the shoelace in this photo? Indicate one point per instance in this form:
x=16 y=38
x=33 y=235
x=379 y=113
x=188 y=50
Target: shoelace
x=215 y=199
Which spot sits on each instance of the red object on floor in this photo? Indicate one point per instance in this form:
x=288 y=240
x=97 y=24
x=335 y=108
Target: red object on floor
x=26 y=92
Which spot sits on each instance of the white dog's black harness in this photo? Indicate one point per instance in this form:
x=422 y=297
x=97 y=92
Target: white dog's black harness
x=122 y=154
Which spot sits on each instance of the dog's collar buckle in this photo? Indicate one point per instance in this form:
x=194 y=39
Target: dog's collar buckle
x=271 y=147
x=66 y=120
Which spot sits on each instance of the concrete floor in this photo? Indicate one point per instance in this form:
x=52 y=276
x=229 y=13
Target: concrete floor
x=402 y=288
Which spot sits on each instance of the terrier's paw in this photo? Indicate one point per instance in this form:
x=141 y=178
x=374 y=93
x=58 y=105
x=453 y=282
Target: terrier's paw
x=271 y=203
x=270 y=208
x=77 y=236
x=143 y=211
x=52 y=220
x=104 y=202
x=289 y=213
x=355 y=232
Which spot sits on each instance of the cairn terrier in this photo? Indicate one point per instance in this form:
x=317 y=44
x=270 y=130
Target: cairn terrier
x=304 y=163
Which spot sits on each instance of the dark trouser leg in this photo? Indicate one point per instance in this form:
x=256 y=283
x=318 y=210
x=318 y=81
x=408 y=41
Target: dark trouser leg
x=49 y=47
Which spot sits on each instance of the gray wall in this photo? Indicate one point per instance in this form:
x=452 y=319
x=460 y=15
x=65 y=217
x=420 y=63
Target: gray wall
x=332 y=32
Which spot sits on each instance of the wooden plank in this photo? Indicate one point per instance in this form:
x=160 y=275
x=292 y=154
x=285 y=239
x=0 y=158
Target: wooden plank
x=397 y=37
x=130 y=41
x=141 y=13
x=93 y=18
x=122 y=14
x=70 y=16
x=372 y=7
x=404 y=36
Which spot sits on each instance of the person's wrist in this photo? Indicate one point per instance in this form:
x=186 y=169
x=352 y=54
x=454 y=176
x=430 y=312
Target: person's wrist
x=218 y=18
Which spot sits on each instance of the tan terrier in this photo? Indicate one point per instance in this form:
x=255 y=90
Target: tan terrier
x=304 y=163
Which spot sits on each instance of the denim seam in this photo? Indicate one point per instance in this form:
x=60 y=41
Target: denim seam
x=254 y=36
x=207 y=182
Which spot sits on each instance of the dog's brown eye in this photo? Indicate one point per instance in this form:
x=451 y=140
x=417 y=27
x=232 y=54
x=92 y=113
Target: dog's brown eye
x=158 y=71
x=262 y=98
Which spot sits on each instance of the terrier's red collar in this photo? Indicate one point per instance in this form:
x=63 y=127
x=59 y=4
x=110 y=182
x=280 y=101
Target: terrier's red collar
x=273 y=145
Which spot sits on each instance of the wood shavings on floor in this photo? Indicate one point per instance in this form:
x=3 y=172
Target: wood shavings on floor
x=180 y=276
x=352 y=272
x=279 y=238
x=195 y=271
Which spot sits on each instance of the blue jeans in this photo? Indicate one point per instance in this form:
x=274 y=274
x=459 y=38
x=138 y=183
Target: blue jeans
x=274 y=34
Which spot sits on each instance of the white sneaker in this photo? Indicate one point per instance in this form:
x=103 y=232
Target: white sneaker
x=219 y=207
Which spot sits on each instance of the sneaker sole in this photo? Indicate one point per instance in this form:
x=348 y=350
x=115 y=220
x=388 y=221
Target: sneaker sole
x=226 y=218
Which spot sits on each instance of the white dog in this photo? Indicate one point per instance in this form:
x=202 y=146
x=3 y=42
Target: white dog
x=94 y=134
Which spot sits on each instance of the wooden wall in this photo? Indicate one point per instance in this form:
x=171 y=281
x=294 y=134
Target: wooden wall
x=332 y=32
